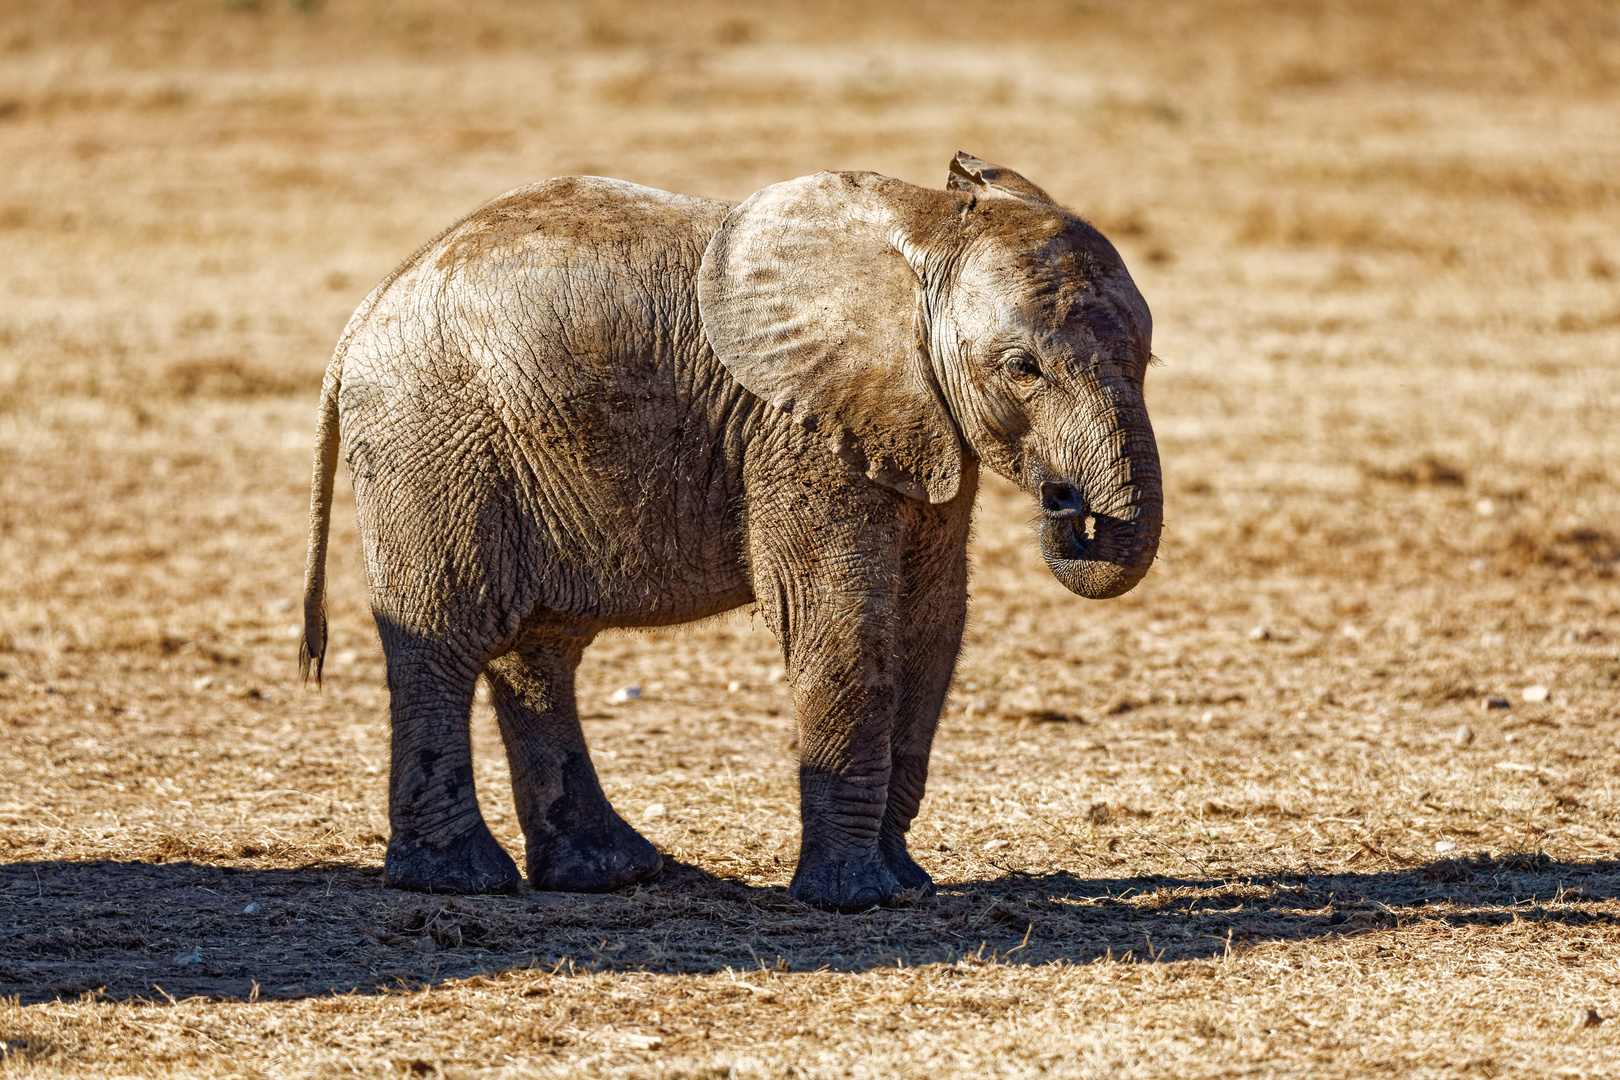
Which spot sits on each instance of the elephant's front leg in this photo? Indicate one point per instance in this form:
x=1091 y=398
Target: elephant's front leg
x=829 y=592
x=845 y=706
x=843 y=783
x=576 y=842
x=933 y=607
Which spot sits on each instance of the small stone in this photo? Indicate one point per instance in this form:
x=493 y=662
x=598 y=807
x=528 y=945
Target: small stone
x=1485 y=507
x=253 y=908
x=654 y=810
x=995 y=845
x=624 y=694
x=202 y=683
x=1260 y=633
x=186 y=959
x=347 y=657
x=1462 y=737
x=1495 y=701
x=1444 y=845
x=733 y=686
x=1536 y=693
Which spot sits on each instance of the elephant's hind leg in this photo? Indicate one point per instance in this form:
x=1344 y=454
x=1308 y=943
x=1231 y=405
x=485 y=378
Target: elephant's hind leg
x=576 y=842
x=439 y=841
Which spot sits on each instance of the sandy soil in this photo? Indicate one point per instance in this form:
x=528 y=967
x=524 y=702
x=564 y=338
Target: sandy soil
x=1254 y=818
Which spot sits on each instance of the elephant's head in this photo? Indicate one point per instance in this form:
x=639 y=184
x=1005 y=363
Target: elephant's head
x=913 y=327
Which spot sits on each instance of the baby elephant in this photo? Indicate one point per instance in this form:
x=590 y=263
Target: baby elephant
x=591 y=404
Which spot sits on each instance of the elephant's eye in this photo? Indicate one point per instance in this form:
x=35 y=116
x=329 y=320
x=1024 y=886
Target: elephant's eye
x=1021 y=365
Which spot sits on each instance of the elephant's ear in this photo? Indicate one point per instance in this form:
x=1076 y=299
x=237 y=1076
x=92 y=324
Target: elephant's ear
x=979 y=178
x=809 y=302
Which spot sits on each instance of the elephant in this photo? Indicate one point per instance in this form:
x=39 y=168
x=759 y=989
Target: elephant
x=592 y=405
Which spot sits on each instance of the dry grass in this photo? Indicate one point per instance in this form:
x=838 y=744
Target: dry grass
x=1198 y=831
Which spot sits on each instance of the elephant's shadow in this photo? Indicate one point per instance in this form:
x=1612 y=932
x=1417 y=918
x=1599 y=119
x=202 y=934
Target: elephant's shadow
x=131 y=929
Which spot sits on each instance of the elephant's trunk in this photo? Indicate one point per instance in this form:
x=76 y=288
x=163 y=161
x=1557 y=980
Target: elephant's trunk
x=1125 y=504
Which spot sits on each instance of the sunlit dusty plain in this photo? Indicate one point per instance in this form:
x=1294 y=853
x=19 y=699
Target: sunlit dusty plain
x=1253 y=818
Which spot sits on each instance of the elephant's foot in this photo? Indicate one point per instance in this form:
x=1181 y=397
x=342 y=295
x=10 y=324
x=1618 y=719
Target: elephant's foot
x=593 y=860
x=911 y=877
x=851 y=884
x=473 y=863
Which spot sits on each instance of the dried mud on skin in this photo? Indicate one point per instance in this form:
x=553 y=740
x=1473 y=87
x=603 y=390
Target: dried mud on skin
x=1252 y=818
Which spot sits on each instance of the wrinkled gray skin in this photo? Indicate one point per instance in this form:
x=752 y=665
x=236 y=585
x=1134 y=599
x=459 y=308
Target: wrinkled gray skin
x=593 y=405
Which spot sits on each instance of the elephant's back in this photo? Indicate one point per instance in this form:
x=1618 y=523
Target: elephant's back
x=588 y=277
x=575 y=219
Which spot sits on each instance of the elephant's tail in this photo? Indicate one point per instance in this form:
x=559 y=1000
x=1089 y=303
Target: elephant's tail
x=312 y=650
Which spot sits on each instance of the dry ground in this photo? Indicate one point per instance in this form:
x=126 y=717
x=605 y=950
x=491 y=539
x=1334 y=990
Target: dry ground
x=1225 y=825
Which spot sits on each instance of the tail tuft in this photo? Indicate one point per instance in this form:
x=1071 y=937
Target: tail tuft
x=312 y=649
